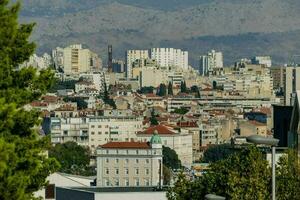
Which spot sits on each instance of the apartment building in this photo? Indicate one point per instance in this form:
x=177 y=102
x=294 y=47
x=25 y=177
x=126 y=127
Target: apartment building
x=75 y=60
x=130 y=164
x=131 y=57
x=292 y=84
x=93 y=131
x=211 y=63
x=105 y=129
x=170 y=57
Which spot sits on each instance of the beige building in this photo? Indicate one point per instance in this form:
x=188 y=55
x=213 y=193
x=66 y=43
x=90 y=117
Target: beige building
x=248 y=128
x=75 y=60
x=130 y=164
x=292 y=84
x=106 y=129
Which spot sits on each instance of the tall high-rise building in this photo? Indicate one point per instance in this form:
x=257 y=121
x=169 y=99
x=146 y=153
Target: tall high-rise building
x=110 y=59
x=170 y=57
x=210 y=63
x=262 y=60
x=292 y=83
x=75 y=60
x=133 y=55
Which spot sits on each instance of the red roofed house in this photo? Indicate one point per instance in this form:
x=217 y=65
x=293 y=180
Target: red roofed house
x=130 y=164
x=177 y=139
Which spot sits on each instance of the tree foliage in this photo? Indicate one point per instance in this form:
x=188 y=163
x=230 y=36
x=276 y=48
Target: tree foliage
x=245 y=175
x=73 y=158
x=181 y=111
x=162 y=91
x=23 y=164
x=146 y=90
x=106 y=98
x=170 y=158
x=153 y=120
x=183 y=88
x=170 y=89
x=288 y=177
x=217 y=152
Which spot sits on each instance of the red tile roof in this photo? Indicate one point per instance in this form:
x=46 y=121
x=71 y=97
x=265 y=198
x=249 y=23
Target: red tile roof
x=161 y=129
x=126 y=145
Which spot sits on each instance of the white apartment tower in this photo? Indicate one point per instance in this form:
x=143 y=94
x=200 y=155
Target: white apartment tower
x=131 y=57
x=169 y=57
x=292 y=83
x=210 y=62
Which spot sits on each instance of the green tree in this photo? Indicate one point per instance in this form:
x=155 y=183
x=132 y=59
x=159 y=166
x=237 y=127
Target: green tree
x=181 y=111
x=73 y=158
x=106 y=98
x=170 y=158
x=167 y=174
x=153 y=120
x=288 y=177
x=217 y=152
x=183 y=88
x=162 y=91
x=24 y=166
x=244 y=175
x=170 y=88
x=146 y=90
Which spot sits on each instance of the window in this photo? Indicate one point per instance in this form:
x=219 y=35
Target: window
x=137 y=182
x=147 y=182
x=106 y=182
x=99 y=126
x=117 y=150
x=65 y=132
x=126 y=161
x=147 y=171
x=107 y=151
x=117 y=171
x=136 y=161
x=117 y=160
x=99 y=133
x=137 y=151
x=137 y=171
x=92 y=139
x=106 y=132
x=107 y=160
x=106 y=171
x=93 y=126
x=93 y=133
x=126 y=171
x=147 y=161
x=126 y=182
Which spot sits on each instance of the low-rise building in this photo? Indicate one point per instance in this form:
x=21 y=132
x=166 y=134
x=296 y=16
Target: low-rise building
x=130 y=164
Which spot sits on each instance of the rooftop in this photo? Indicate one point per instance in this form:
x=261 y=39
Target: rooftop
x=161 y=130
x=126 y=145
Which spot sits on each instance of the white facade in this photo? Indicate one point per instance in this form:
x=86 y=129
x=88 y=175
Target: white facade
x=129 y=164
x=40 y=63
x=208 y=63
x=170 y=57
x=105 y=129
x=262 y=60
x=94 y=131
x=132 y=56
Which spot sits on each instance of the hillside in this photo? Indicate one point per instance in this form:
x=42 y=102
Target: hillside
x=239 y=28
